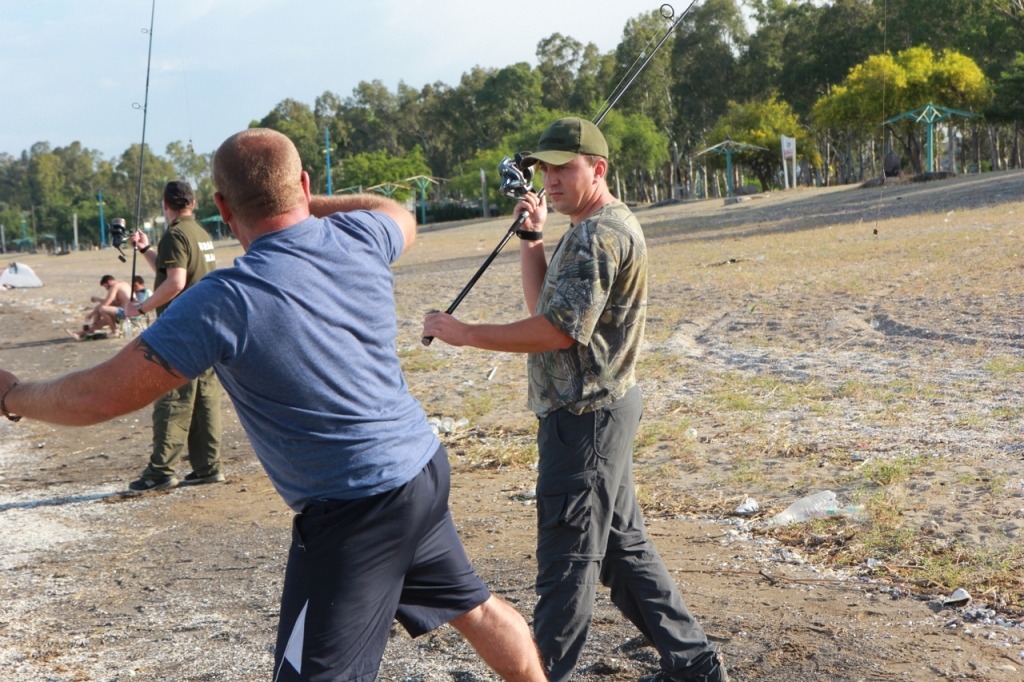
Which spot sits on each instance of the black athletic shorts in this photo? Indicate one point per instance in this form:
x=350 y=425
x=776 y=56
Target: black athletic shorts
x=356 y=565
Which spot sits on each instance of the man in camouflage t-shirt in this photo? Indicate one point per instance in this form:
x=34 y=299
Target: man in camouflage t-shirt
x=588 y=307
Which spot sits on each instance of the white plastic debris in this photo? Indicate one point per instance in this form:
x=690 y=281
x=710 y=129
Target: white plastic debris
x=749 y=506
x=490 y=375
x=691 y=433
x=816 y=506
x=960 y=597
x=447 y=425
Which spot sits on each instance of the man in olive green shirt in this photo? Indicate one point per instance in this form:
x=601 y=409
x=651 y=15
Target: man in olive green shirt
x=188 y=416
x=588 y=307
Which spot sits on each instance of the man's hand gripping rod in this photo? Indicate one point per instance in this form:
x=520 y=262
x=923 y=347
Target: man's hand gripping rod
x=516 y=178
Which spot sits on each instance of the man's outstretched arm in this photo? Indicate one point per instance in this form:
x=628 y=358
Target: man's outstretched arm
x=130 y=380
x=322 y=206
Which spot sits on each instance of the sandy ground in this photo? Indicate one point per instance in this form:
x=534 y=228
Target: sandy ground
x=864 y=341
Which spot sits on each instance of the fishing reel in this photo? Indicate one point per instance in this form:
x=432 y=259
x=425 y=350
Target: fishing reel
x=119 y=236
x=516 y=178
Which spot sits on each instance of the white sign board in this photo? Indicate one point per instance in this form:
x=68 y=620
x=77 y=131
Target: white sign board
x=788 y=147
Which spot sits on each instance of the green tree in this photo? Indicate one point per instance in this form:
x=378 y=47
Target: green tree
x=704 y=65
x=194 y=168
x=296 y=121
x=506 y=97
x=884 y=86
x=651 y=92
x=375 y=168
x=156 y=173
x=1008 y=100
x=763 y=123
x=800 y=50
x=573 y=73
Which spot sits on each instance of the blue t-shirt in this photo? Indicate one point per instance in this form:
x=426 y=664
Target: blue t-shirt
x=301 y=332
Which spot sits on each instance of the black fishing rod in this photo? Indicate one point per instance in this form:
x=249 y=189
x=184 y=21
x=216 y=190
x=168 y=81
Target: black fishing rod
x=516 y=178
x=117 y=235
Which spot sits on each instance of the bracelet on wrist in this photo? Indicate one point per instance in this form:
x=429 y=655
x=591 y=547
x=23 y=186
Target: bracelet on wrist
x=3 y=404
x=145 y=248
x=529 y=235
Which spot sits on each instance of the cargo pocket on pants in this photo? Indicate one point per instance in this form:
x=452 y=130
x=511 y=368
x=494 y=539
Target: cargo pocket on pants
x=563 y=522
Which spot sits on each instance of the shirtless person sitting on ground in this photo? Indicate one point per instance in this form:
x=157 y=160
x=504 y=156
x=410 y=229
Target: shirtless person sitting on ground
x=106 y=313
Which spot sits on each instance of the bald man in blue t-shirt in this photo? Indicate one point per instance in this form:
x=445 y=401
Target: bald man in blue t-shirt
x=301 y=332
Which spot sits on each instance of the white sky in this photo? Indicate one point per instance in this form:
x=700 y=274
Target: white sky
x=71 y=69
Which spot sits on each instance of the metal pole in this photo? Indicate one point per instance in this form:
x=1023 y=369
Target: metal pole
x=931 y=163
x=3 y=239
x=483 y=193
x=676 y=189
x=423 y=202
x=952 y=148
x=103 y=225
x=24 y=233
x=74 y=221
x=327 y=149
x=728 y=171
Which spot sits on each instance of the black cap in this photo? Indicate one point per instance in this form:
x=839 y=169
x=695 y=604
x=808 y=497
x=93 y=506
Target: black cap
x=178 y=195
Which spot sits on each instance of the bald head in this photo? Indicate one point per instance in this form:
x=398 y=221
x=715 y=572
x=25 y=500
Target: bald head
x=258 y=174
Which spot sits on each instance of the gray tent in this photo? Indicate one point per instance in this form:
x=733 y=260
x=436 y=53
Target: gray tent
x=19 y=276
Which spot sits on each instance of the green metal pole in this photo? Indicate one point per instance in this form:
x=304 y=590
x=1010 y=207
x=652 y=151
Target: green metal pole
x=24 y=234
x=728 y=171
x=423 y=203
x=931 y=162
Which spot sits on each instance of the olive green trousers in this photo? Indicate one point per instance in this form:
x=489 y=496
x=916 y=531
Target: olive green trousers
x=187 y=417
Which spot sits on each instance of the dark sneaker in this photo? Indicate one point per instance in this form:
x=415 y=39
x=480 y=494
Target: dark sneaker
x=144 y=484
x=717 y=674
x=195 y=479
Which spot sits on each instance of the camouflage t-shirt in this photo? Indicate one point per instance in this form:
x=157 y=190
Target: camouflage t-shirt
x=595 y=291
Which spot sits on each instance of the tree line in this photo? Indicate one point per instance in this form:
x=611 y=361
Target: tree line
x=827 y=73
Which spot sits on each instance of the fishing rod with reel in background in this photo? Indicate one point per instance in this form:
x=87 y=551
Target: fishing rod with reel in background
x=119 y=232
x=517 y=179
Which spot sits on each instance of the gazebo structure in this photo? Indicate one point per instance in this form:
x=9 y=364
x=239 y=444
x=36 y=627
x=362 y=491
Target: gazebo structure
x=930 y=115
x=727 y=149
x=388 y=189
x=215 y=219
x=422 y=182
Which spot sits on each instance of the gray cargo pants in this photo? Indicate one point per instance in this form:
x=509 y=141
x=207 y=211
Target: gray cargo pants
x=589 y=527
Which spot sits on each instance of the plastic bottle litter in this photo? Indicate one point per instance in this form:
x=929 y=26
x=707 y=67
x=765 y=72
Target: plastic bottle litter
x=816 y=506
x=435 y=425
x=462 y=423
x=447 y=425
x=749 y=506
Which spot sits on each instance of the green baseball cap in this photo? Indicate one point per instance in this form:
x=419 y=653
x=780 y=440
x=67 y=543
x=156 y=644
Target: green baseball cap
x=565 y=139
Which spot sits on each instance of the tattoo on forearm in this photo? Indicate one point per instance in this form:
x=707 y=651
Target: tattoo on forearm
x=152 y=356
